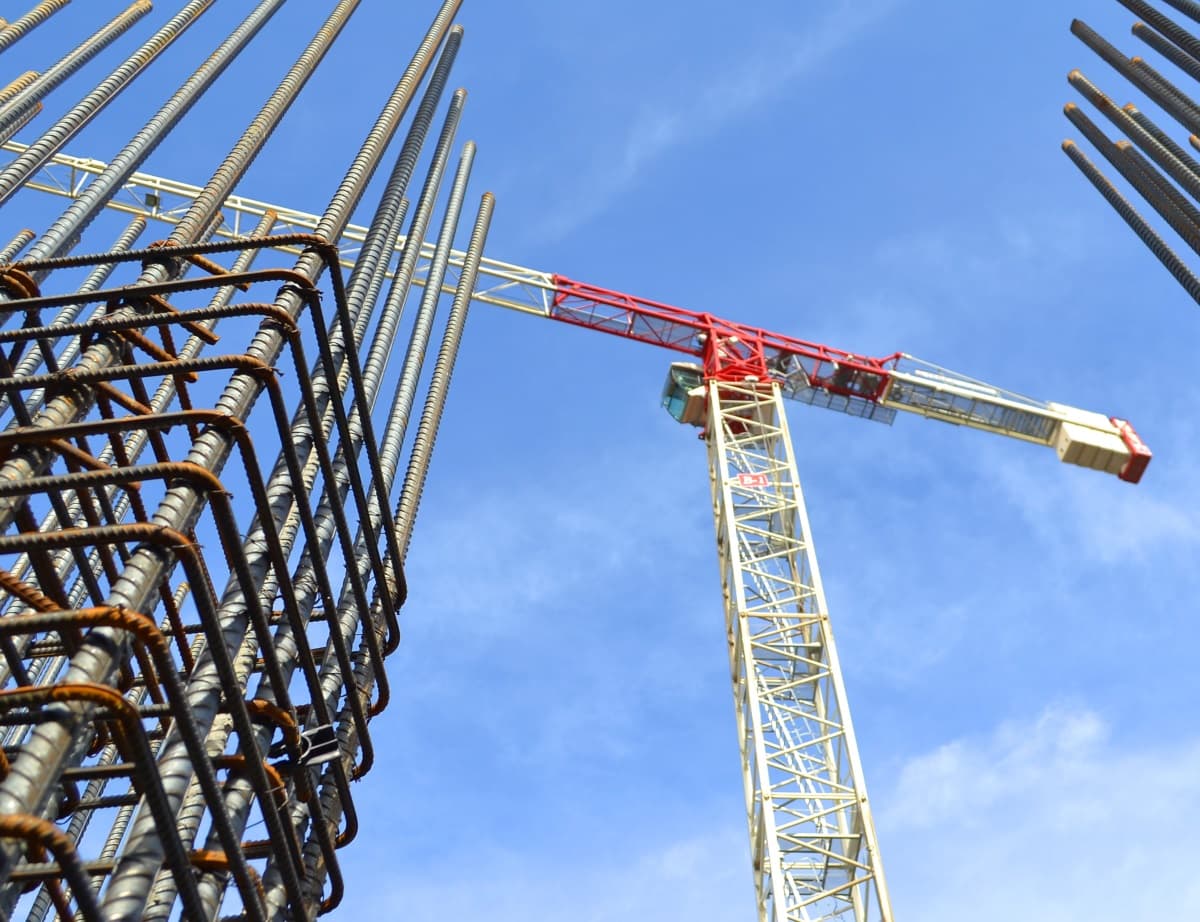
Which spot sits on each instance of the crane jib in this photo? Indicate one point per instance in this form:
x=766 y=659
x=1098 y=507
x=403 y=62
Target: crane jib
x=869 y=387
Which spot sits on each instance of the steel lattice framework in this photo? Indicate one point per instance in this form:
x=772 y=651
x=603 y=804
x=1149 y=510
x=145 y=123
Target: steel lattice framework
x=167 y=697
x=813 y=843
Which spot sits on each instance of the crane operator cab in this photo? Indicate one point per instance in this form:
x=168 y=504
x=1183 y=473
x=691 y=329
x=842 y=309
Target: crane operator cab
x=684 y=395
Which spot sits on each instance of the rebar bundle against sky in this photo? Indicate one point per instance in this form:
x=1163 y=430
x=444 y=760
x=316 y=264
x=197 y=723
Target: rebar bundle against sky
x=204 y=520
x=1155 y=166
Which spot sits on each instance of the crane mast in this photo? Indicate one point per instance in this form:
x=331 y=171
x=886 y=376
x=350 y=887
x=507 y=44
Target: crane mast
x=814 y=848
x=812 y=837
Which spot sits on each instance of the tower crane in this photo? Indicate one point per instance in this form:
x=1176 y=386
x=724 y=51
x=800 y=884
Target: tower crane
x=814 y=848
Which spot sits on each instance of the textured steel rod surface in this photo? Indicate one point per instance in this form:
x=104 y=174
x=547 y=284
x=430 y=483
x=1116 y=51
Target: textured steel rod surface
x=192 y=649
x=76 y=218
x=1168 y=50
x=11 y=91
x=1153 y=241
x=1150 y=184
x=19 y=28
x=413 y=483
x=431 y=415
x=13 y=176
x=1149 y=148
x=365 y=163
x=16 y=245
x=69 y=64
x=131 y=881
x=337 y=664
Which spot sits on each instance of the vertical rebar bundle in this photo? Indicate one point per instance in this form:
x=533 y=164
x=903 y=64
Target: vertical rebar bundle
x=1153 y=164
x=200 y=571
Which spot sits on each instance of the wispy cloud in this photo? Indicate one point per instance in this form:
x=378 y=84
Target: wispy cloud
x=668 y=123
x=1048 y=818
x=1107 y=522
x=696 y=875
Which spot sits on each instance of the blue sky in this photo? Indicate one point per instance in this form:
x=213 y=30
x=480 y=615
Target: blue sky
x=1017 y=635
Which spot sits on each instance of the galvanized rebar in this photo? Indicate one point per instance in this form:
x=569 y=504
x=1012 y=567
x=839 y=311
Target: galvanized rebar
x=13 y=176
x=14 y=88
x=16 y=245
x=337 y=662
x=69 y=64
x=76 y=218
x=22 y=26
x=320 y=524
x=413 y=484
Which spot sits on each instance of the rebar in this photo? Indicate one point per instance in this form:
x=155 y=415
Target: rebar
x=19 y=28
x=13 y=176
x=1136 y=222
x=1175 y=195
x=69 y=64
x=191 y=650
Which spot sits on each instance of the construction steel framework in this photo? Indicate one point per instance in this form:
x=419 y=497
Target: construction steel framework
x=178 y=667
x=812 y=839
x=201 y=565
x=1149 y=160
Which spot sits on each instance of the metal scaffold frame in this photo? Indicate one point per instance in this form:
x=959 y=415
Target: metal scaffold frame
x=813 y=844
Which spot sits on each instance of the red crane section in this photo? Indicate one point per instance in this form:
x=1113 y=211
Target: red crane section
x=730 y=351
x=866 y=386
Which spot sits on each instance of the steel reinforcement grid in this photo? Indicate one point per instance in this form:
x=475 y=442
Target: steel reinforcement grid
x=203 y=513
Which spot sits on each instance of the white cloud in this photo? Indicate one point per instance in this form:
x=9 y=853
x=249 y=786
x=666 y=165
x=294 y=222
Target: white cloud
x=668 y=123
x=1102 y=520
x=701 y=875
x=1047 y=819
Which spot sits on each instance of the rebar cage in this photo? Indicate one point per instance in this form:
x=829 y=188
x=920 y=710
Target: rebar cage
x=203 y=507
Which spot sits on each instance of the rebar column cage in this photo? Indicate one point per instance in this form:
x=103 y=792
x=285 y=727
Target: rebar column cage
x=79 y=523
x=812 y=838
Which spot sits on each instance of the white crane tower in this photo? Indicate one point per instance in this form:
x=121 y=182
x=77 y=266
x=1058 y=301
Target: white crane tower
x=814 y=849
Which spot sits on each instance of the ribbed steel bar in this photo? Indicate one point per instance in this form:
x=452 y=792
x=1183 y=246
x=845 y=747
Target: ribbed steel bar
x=75 y=219
x=336 y=667
x=350 y=191
x=1171 y=52
x=1189 y=8
x=57 y=745
x=365 y=279
x=1182 y=216
x=16 y=245
x=129 y=888
x=1155 y=243
x=1156 y=150
x=1182 y=111
x=24 y=119
x=69 y=64
x=431 y=415
x=412 y=487
x=1147 y=124
x=33 y=360
x=337 y=663
x=72 y=458
x=13 y=176
x=1165 y=25
x=19 y=28
x=14 y=88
